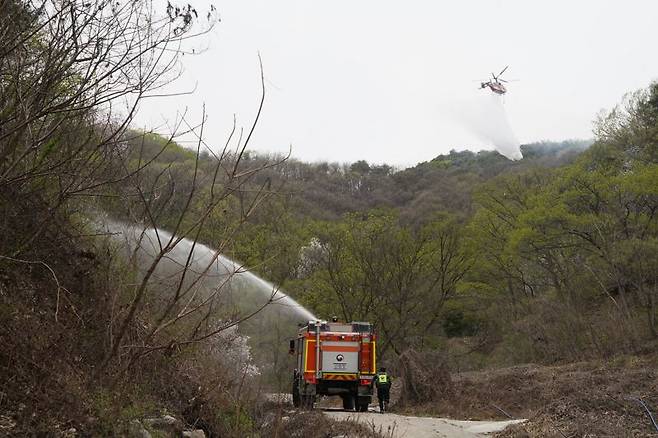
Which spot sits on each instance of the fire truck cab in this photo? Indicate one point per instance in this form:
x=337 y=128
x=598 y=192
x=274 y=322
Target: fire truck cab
x=334 y=358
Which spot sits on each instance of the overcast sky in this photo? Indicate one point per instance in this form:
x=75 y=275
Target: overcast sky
x=387 y=81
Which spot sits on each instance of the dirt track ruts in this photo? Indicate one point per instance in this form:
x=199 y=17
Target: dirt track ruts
x=422 y=427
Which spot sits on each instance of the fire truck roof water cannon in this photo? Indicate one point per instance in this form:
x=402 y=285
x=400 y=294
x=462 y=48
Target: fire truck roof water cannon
x=334 y=358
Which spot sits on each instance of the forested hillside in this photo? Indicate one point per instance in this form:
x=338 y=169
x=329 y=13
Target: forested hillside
x=562 y=243
x=440 y=250
x=548 y=259
x=329 y=190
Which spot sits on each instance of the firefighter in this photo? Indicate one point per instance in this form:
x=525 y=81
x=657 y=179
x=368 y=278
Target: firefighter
x=383 y=383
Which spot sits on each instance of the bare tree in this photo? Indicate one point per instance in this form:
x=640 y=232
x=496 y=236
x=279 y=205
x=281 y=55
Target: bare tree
x=72 y=74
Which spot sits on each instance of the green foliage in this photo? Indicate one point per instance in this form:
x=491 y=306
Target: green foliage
x=369 y=266
x=237 y=422
x=457 y=323
x=151 y=146
x=580 y=238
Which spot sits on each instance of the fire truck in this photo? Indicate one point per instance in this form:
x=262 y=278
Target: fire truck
x=334 y=358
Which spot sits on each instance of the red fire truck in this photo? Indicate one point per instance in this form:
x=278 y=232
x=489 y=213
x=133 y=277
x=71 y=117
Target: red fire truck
x=334 y=358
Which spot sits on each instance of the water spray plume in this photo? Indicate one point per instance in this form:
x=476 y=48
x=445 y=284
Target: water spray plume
x=243 y=287
x=205 y=275
x=486 y=117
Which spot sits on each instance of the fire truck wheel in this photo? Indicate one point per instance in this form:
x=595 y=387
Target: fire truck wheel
x=363 y=404
x=348 y=402
x=307 y=401
x=296 y=400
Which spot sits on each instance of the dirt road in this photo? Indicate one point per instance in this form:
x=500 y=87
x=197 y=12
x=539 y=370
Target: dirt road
x=400 y=426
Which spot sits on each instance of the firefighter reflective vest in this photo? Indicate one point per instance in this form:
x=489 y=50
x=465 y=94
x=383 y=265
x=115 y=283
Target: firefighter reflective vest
x=382 y=379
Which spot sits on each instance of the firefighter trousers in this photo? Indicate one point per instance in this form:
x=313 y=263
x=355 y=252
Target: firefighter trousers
x=383 y=393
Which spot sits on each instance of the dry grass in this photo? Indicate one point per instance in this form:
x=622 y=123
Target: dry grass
x=425 y=377
x=584 y=399
x=284 y=422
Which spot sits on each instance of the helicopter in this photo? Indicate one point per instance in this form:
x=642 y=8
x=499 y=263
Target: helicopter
x=495 y=84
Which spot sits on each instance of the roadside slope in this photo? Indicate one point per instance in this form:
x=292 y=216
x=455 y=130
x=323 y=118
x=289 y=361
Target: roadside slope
x=593 y=398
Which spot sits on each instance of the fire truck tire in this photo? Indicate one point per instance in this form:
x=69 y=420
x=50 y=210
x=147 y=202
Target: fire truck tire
x=348 y=402
x=307 y=401
x=296 y=399
x=362 y=404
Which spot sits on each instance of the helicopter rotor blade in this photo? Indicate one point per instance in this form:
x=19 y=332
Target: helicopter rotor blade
x=503 y=71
